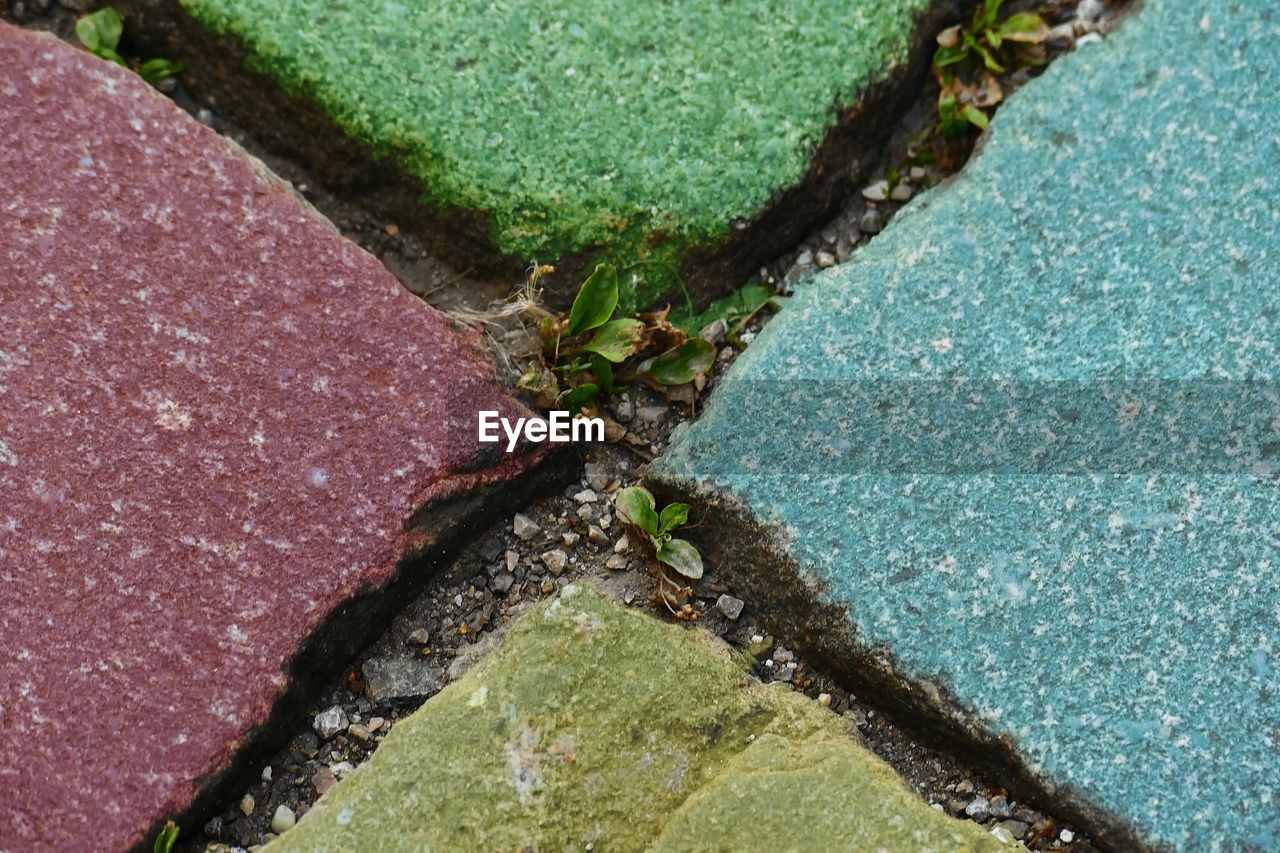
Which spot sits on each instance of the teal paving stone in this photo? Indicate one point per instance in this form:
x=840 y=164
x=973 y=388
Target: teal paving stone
x=1023 y=444
x=651 y=135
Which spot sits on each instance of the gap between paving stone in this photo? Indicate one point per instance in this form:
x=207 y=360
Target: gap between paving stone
x=219 y=74
x=370 y=233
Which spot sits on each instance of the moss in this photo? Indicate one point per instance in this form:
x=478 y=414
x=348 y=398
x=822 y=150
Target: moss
x=638 y=129
x=598 y=725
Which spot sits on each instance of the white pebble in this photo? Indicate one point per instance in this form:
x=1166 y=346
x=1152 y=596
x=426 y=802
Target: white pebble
x=247 y=804
x=878 y=191
x=283 y=820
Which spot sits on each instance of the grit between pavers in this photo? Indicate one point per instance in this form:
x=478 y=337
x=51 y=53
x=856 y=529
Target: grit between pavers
x=1118 y=627
x=638 y=131
x=218 y=420
x=595 y=726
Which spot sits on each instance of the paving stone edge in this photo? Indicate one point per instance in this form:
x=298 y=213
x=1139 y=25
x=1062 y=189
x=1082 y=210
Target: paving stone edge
x=294 y=127
x=754 y=557
x=362 y=618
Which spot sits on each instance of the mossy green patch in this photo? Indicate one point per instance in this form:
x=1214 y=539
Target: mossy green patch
x=598 y=725
x=636 y=130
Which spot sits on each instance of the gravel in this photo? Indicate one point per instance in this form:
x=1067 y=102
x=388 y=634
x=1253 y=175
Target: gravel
x=330 y=722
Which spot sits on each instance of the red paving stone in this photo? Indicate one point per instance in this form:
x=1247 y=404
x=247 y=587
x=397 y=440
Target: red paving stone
x=215 y=417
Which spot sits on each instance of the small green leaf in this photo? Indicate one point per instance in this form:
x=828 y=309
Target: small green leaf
x=582 y=396
x=673 y=516
x=547 y=333
x=989 y=60
x=156 y=70
x=166 y=839
x=1024 y=27
x=100 y=30
x=541 y=383
x=617 y=340
x=635 y=506
x=993 y=38
x=990 y=9
x=595 y=301
x=683 y=557
x=945 y=56
x=679 y=365
x=603 y=371
x=975 y=117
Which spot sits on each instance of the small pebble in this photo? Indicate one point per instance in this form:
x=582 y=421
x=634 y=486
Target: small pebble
x=376 y=723
x=247 y=804
x=555 y=560
x=825 y=700
x=902 y=192
x=513 y=560
x=730 y=607
x=283 y=820
x=979 y=809
x=825 y=260
x=571 y=539
x=596 y=535
x=330 y=722
x=266 y=773
x=651 y=414
x=617 y=562
x=323 y=780
x=1002 y=834
x=714 y=333
x=586 y=496
x=870 y=222
x=918 y=173
x=1000 y=808
x=622 y=546
x=1066 y=836
x=360 y=732
x=878 y=191
x=524 y=528
x=503 y=582
x=419 y=637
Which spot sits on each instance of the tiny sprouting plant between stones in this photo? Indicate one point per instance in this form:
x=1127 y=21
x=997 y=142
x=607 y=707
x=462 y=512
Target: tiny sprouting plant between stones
x=590 y=353
x=100 y=33
x=636 y=507
x=166 y=839
x=967 y=60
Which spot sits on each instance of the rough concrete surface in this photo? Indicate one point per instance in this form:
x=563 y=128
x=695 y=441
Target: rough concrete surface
x=219 y=423
x=596 y=727
x=1083 y=589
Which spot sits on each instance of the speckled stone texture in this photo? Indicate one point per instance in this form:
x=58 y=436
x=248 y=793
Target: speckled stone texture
x=1111 y=635
x=569 y=131
x=217 y=419
x=598 y=727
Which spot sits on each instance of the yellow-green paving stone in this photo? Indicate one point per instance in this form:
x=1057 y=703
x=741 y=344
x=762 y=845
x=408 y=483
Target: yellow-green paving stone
x=636 y=133
x=598 y=725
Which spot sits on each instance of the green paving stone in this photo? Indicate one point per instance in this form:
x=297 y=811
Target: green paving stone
x=597 y=725
x=635 y=131
x=1076 y=581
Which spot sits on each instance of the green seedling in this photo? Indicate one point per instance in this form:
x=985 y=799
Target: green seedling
x=984 y=47
x=166 y=839
x=591 y=352
x=635 y=506
x=100 y=33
